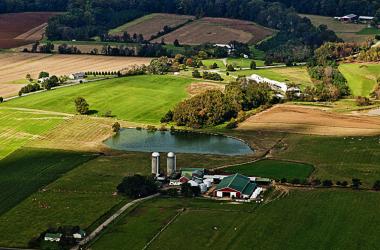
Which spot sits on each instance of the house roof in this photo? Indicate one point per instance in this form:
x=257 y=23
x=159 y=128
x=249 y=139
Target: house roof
x=350 y=16
x=53 y=236
x=236 y=182
x=366 y=17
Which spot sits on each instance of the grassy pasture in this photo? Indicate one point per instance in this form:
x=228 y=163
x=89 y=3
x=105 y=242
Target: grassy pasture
x=274 y=169
x=244 y=62
x=27 y=170
x=79 y=197
x=336 y=158
x=143 y=99
x=313 y=219
x=361 y=77
x=18 y=127
x=209 y=62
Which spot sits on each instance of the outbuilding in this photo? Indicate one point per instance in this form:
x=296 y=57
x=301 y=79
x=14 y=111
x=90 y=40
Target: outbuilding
x=235 y=186
x=53 y=237
x=77 y=76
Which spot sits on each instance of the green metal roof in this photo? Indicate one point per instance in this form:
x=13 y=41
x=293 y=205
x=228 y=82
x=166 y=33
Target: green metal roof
x=248 y=190
x=237 y=182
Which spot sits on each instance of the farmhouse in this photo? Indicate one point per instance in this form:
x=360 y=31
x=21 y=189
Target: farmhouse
x=349 y=18
x=235 y=186
x=53 y=237
x=77 y=76
x=188 y=174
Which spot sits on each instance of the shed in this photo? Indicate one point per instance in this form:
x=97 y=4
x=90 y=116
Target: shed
x=77 y=76
x=80 y=234
x=54 y=237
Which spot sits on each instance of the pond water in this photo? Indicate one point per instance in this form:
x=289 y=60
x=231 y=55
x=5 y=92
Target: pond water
x=178 y=142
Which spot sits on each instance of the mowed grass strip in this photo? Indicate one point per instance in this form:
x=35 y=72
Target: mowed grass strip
x=361 y=78
x=314 y=219
x=143 y=99
x=18 y=127
x=27 y=170
x=80 y=197
x=274 y=169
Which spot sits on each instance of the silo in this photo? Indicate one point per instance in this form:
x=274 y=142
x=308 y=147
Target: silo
x=155 y=163
x=171 y=163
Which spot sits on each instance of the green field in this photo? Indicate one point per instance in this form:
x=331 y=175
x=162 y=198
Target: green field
x=209 y=62
x=273 y=169
x=18 y=127
x=244 y=62
x=336 y=158
x=297 y=75
x=123 y=27
x=80 y=197
x=27 y=170
x=143 y=99
x=361 y=78
x=314 y=219
x=369 y=31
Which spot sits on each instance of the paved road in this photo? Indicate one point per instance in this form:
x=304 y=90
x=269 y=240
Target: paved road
x=110 y=220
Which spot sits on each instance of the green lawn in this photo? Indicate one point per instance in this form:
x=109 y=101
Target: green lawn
x=80 y=197
x=122 y=28
x=336 y=158
x=18 y=127
x=296 y=75
x=314 y=219
x=369 y=31
x=209 y=62
x=274 y=169
x=143 y=99
x=244 y=62
x=27 y=170
x=361 y=77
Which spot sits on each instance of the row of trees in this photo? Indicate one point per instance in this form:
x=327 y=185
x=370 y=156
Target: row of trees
x=9 y=6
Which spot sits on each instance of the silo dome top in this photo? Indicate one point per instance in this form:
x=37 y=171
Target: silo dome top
x=155 y=154
x=171 y=154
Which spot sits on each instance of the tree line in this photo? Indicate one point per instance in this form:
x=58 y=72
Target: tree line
x=9 y=6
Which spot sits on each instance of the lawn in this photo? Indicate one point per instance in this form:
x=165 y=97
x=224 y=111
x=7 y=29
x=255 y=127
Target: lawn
x=298 y=75
x=18 y=127
x=209 y=62
x=80 y=197
x=143 y=99
x=314 y=219
x=369 y=31
x=274 y=169
x=335 y=158
x=361 y=77
x=27 y=170
x=244 y=62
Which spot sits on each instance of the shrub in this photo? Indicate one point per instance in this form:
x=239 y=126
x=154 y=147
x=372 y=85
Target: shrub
x=1 y=99
x=116 y=127
x=284 y=180
x=196 y=74
x=232 y=124
x=344 y=183
x=173 y=192
x=327 y=183
x=163 y=128
x=376 y=185
x=151 y=128
x=363 y=101
x=316 y=182
x=253 y=65
x=43 y=74
x=230 y=67
x=356 y=183
x=296 y=181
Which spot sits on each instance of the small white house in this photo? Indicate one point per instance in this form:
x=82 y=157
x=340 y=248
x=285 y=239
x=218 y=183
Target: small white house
x=53 y=237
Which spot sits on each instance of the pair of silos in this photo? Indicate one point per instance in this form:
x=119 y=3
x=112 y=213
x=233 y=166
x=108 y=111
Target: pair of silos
x=170 y=163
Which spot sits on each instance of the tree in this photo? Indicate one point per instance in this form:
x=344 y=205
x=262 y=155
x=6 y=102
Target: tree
x=327 y=183
x=81 y=105
x=137 y=186
x=116 y=127
x=253 y=65
x=356 y=183
x=376 y=185
x=168 y=117
x=196 y=74
x=29 y=77
x=43 y=74
x=1 y=99
x=176 y=43
x=230 y=67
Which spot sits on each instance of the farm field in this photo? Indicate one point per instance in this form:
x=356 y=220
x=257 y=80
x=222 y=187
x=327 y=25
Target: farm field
x=27 y=170
x=142 y=99
x=15 y=66
x=243 y=62
x=311 y=120
x=361 y=78
x=273 y=169
x=18 y=127
x=349 y=32
x=217 y=30
x=18 y=29
x=218 y=225
x=297 y=75
x=151 y=24
x=9 y=90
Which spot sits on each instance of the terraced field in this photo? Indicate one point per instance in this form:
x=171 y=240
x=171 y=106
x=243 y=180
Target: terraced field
x=143 y=99
x=19 y=126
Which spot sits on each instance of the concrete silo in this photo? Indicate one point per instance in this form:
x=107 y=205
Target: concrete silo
x=155 y=163
x=171 y=163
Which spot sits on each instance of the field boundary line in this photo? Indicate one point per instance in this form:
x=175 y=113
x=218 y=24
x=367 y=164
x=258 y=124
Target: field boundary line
x=163 y=229
x=104 y=225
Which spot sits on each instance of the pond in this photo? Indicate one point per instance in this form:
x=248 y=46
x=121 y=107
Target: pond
x=178 y=142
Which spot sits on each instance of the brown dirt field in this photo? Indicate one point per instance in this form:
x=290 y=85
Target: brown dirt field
x=200 y=87
x=15 y=66
x=218 y=30
x=34 y=34
x=309 y=120
x=13 y=25
x=8 y=90
x=152 y=24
